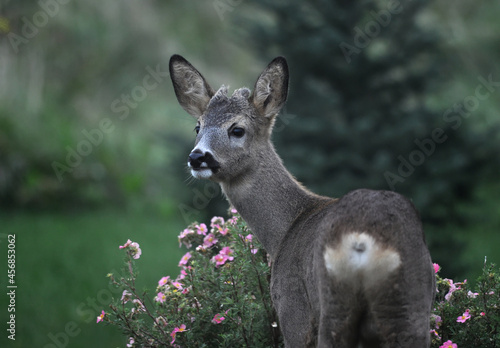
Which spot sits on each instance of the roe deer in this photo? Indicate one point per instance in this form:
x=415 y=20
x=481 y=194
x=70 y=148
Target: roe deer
x=348 y=272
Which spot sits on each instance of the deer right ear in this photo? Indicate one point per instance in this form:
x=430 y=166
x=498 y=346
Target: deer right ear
x=192 y=90
x=271 y=88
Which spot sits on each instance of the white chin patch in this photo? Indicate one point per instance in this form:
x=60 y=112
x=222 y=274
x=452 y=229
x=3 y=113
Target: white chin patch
x=204 y=173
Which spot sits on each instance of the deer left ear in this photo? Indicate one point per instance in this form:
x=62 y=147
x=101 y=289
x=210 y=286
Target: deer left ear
x=192 y=90
x=271 y=88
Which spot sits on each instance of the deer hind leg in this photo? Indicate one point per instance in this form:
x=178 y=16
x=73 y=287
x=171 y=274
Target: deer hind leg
x=390 y=299
x=354 y=268
x=340 y=314
x=399 y=309
x=392 y=322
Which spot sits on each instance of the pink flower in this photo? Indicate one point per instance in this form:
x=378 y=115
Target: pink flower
x=233 y=220
x=471 y=294
x=482 y=314
x=163 y=281
x=437 y=320
x=216 y=221
x=436 y=267
x=177 y=285
x=183 y=235
x=184 y=260
x=228 y=252
x=131 y=342
x=186 y=232
x=248 y=239
x=201 y=248
x=126 y=295
x=139 y=305
x=201 y=229
x=161 y=321
x=182 y=275
x=223 y=256
x=126 y=244
x=234 y=211
x=101 y=317
x=218 y=318
x=222 y=231
x=176 y=330
x=448 y=344
x=135 y=251
x=453 y=288
x=464 y=317
x=210 y=240
x=160 y=297
x=434 y=332
x=220 y=259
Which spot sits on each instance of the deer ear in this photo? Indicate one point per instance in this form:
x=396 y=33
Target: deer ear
x=192 y=90
x=271 y=88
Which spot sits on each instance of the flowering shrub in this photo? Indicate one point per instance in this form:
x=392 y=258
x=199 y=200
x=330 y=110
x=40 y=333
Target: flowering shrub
x=221 y=298
x=464 y=317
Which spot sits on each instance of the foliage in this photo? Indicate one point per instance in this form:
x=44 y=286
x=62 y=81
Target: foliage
x=465 y=316
x=359 y=111
x=87 y=63
x=220 y=298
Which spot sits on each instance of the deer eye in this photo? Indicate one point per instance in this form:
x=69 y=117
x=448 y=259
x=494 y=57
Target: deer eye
x=238 y=132
x=197 y=129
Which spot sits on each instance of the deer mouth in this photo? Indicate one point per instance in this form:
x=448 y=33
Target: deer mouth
x=201 y=173
x=204 y=171
x=203 y=166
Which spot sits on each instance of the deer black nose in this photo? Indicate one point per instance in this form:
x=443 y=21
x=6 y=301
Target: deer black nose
x=196 y=158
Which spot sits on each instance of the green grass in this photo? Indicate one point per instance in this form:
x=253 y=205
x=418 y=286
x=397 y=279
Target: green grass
x=483 y=239
x=61 y=267
x=481 y=242
x=62 y=261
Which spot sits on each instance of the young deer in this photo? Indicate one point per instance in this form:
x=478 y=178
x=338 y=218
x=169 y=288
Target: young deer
x=348 y=272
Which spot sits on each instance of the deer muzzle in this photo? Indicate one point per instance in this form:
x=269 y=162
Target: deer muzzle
x=199 y=161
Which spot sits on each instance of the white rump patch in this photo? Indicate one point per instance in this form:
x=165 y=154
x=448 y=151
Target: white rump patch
x=360 y=260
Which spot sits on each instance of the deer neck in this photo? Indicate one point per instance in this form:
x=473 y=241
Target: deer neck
x=269 y=199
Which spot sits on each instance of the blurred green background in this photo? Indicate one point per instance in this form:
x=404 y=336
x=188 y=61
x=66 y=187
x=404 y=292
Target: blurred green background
x=383 y=94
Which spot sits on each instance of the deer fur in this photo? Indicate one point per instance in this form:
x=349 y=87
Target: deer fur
x=347 y=272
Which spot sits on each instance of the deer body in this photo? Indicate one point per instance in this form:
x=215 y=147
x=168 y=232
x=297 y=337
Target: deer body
x=348 y=272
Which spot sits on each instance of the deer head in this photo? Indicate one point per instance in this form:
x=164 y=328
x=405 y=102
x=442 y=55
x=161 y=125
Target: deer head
x=231 y=130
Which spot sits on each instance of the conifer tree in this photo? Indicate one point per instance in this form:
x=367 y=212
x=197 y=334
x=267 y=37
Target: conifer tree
x=361 y=74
